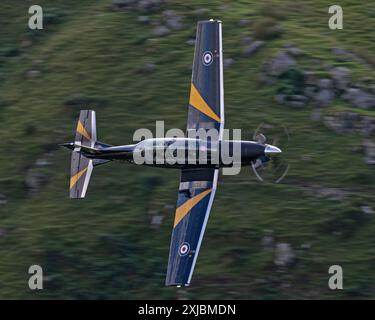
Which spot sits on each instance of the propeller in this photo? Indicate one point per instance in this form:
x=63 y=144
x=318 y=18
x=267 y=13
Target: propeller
x=269 y=167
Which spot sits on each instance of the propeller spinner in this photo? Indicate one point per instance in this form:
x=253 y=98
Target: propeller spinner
x=270 y=166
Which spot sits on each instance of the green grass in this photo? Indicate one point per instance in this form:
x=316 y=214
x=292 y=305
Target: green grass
x=103 y=247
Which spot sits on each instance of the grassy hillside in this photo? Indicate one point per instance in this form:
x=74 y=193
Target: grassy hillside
x=89 y=55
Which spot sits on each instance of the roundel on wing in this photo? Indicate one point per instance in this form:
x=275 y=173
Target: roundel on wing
x=184 y=249
x=207 y=58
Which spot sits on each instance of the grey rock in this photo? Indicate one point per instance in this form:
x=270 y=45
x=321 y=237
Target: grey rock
x=268 y=231
x=284 y=255
x=201 y=11
x=172 y=19
x=148 y=68
x=297 y=104
x=280 y=98
x=34 y=180
x=42 y=162
x=359 y=98
x=339 y=51
x=341 y=122
x=244 y=22
x=247 y=40
x=30 y=74
x=367 y=127
x=26 y=43
x=267 y=241
x=227 y=62
x=341 y=77
x=295 y=51
x=296 y=100
x=325 y=83
x=288 y=45
x=160 y=31
x=253 y=47
x=328 y=66
x=175 y=23
x=298 y=97
x=263 y=78
x=225 y=7
x=143 y=19
x=326 y=192
x=369 y=148
x=149 y=5
x=3 y=199
x=316 y=115
x=156 y=221
x=139 y=5
x=36 y=63
x=324 y=97
x=169 y=13
x=367 y=210
x=280 y=64
x=342 y=54
x=350 y=122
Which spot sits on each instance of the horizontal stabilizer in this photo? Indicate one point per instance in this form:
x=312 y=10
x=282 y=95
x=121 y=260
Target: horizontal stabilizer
x=80 y=174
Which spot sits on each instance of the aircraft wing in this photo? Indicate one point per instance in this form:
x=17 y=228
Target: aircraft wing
x=197 y=186
x=206 y=103
x=195 y=197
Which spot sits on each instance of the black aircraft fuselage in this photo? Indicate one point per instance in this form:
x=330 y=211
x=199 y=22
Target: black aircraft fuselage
x=181 y=152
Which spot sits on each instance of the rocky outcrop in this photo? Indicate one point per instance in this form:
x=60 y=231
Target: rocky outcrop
x=350 y=122
x=369 y=150
x=160 y=31
x=35 y=178
x=341 y=78
x=3 y=199
x=284 y=255
x=252 y=47
x=298 y=88
x=172 y=20
x=139 y=5
x=228 y=62
x=281 y=63
x=359 y=98
x=325 y=94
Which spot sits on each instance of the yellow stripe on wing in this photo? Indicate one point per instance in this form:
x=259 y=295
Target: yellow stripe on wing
x=82 y=131
x=184 y=209
x=198 y=103
x=75 y=178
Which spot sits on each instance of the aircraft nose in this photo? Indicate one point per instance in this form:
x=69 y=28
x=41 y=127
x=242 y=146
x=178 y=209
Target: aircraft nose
x=269 y=150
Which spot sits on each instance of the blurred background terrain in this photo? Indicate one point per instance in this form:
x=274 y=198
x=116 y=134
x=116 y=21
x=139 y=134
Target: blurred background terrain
x=131 y=62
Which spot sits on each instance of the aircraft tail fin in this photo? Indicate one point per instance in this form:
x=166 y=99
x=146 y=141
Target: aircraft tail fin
x=86 y=129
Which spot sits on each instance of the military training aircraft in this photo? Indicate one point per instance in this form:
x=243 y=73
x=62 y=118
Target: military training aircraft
x=198 y=180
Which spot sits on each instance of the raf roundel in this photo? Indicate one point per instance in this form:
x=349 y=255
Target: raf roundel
x=207 y=58
x=184 y=249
